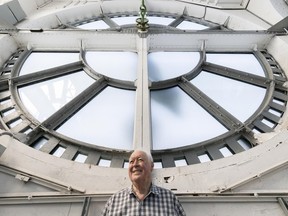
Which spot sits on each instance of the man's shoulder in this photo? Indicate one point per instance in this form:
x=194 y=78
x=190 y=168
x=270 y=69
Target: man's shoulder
x=122 y=192
x=160 y=190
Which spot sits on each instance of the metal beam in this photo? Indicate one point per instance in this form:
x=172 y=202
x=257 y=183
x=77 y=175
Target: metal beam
x=236 y=75
x=71 y=107
x=51 y=73
x=223 y=116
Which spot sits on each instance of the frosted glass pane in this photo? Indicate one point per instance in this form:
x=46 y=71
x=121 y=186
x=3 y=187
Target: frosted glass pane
x=177 y=120
x=59 y=151
x=125 y=20
x=99 y=24
x=107 y=120
x=243 y=62
x=45 y=98
x=104 y=163
x=238 y=98
x=38 y=61
x=118 y=65
x=187 y=25
x=166 y=65
x=81 y=158
x=160 y=20
x=204 y=158
x=181 y=162
x=225 y=152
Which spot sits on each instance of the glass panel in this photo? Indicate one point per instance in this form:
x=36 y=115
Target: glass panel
x=80 y=158
x=14 y=123
x=268 y=123
x=187 y=25
x=108 y=120
x=166 y=65
x=159 y=20
x=59 y=151
x=181 y=162
x=126 y=165
x=27 y=131
x=238 y=98
x=39 y=143
x=244 y=143
x=45 y=98
x=158 y=165
x=118 y=65
x=99 y=24
x=4 y=101
x=275 y=112
x=225 y=152
x=243 y=62
x=38 y=61
x=125 y=20
x=104 y=163
x=204 y=158
x=280 y=102
x=177 y=120
x=7 y=112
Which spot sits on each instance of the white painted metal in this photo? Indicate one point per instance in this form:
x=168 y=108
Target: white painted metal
x=247 y=183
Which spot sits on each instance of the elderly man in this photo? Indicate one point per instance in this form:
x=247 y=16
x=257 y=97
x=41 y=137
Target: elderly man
x=143 y=198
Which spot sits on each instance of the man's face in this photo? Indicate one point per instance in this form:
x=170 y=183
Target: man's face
x=140 y=167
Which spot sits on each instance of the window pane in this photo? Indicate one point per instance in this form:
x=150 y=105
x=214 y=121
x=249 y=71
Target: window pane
x=99 y=24
x=180 y=162
x=80 y=158
x=204 y=158
x=187 y=25
x=238 y=98
x=177 y=120
x=158 y=165
x=45 y=98
x=225 y=152
x=38 y=61
x=40 y=143
x=107 y=120
x=166 y=65
x=125 y=20
x=59 y=151
x=243 y=62
x=119 y=65
x=104 y=163
x=160 y=20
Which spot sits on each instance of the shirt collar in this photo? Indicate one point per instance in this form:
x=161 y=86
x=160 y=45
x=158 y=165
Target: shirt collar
x=153 y=189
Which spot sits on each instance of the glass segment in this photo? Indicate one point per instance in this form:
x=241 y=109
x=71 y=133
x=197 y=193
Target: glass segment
x=166 y=65
x=58 y=152
x=187 y=25
x=204 y=158
x=125 y=20
x=80 y=158
x=238 y=98
x=243 y=62
x=118 y=65
x=107 y=120
x=99 y=24
x=44 y=98
x=38 y=61
x=177 y=120
x=160 y=20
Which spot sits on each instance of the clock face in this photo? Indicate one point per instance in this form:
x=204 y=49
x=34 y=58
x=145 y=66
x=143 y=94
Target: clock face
x=198 y=102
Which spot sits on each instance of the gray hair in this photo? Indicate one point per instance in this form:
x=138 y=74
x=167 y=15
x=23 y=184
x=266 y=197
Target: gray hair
x=148 y=154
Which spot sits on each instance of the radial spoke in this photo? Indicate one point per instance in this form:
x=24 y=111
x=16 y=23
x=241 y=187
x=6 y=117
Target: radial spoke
x=51 y=73
x=223 y=116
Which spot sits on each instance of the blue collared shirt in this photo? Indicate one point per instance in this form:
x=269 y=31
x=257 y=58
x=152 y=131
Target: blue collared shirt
x=158 y=202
